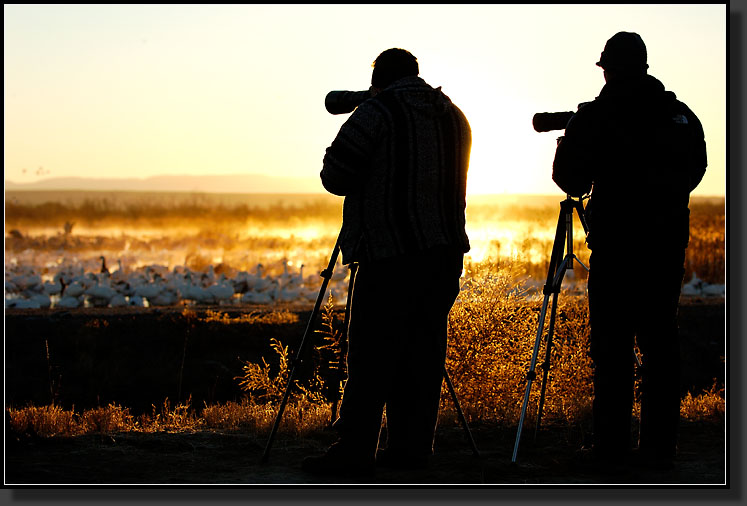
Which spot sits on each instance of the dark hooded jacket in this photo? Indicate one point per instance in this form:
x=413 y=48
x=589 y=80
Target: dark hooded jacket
x=643 y=152
x=401 y=162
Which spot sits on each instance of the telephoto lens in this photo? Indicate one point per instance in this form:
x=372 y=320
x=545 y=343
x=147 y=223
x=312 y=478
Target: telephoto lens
x=343 y=102
x=547 y=121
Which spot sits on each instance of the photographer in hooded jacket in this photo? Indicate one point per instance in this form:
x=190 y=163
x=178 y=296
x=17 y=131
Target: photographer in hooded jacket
x=400 y=160
x=640 y=151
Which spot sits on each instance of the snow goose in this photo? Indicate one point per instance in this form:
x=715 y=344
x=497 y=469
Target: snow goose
x=149 y=289
x=54 y=287
x=222 y=290
x=297 y=279
x=42 y=299
x=10 y=287
x=714 y=290
x=68 y=302
x=287 y=293
x=21 y=303
x=27 y=280
x=101 y=293
x=286 y=276
x=118 y=300
x=26 y=304
x=137 y=300
x=195 y=292
x=75 y=289
x=693 y=287
x=252 y=280
x=166 y=297
x=265 y=296
x=263 y=283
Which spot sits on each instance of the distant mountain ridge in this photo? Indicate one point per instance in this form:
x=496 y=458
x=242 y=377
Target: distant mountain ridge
x=249 y=183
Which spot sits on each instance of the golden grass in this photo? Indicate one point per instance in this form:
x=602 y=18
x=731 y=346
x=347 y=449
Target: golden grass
x=268 y=317
x=300 y=417
x=492 y=329
x=706 y=406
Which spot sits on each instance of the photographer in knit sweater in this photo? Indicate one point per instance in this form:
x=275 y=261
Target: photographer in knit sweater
x=400 y=161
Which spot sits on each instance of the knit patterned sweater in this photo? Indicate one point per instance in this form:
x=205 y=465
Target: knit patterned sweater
x=401 y=162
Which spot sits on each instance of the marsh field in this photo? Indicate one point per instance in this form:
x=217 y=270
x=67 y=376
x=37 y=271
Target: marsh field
x=149 y=338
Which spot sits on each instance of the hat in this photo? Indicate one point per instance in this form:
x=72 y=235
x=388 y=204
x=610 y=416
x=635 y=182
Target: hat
x=625 y=50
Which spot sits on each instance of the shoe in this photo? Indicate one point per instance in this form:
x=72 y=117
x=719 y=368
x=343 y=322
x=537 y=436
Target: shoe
x=398 y=459
x=652 y=460
x=339 y=461
x=596 y=462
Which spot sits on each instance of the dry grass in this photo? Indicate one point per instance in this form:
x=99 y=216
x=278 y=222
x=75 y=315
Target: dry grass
x=299 y=418
x=708 y=405
x=492 y=329
x=265 y=317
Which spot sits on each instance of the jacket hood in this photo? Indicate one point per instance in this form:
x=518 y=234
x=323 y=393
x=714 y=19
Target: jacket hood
x=646 y=87
x=418 y=94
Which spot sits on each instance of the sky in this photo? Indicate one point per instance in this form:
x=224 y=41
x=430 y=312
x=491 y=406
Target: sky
x=143 y=90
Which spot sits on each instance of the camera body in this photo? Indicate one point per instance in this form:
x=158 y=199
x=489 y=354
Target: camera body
x=343 y=102
x=547 y=121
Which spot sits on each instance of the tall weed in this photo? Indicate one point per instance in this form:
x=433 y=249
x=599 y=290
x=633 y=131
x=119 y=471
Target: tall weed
x=492 y=332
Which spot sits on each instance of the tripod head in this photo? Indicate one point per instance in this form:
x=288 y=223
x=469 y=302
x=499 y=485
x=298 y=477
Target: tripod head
x=569 y=204
x=564 y=231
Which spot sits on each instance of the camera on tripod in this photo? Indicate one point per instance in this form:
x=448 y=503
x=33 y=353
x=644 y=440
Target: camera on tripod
x=343 y=102
x=547 y=121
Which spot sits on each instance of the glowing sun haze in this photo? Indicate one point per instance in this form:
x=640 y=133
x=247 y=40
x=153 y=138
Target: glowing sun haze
x=144 y=90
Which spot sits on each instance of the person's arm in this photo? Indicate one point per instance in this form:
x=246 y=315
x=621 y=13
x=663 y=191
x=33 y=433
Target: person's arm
x=572 y=168
x=697 y=160
x=347 y=161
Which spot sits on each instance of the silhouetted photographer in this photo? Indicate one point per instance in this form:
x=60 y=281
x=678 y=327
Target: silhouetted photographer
x=640 y=151
x=400 y=160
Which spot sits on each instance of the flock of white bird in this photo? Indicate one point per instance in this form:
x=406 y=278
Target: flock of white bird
x=157 y=285
x=699 y=288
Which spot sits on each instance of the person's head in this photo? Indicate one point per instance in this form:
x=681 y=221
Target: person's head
x=624 y=56
x=392 y=65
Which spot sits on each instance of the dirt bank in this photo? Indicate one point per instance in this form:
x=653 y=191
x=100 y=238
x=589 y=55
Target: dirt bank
x=137 y=358
x=234 y=459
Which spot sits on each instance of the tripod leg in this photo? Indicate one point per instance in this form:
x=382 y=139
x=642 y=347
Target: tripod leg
x=530 y=375
x=346 y=323
x=550 y=287
x=461 y=414
x=546 y=364
x=327 y=275
x=344 y=337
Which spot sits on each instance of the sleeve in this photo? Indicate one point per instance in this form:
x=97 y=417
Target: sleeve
x=697 y=158
x=347 y=161
x=572 y=168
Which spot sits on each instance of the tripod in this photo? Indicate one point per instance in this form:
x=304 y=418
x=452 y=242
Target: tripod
x=555 y=274
x=326 y=274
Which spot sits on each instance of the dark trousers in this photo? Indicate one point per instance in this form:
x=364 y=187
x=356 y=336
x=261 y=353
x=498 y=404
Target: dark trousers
x=635 y=298
x=397 y=350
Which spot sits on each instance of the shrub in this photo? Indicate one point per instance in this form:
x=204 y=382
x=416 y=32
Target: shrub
x=492 y=332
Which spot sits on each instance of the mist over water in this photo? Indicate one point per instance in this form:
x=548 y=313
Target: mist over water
x=281 y=235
